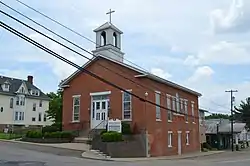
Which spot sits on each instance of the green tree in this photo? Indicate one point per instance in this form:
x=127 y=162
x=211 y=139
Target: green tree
x=242 y=112
x=218 y=116
x=55 y=108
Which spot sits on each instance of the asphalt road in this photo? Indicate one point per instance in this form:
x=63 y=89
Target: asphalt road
x=15 y=154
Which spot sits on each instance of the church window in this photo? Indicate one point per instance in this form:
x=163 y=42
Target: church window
x=115 y=39
x=103 y=38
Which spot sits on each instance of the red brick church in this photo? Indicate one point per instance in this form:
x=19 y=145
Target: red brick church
x=88 y=102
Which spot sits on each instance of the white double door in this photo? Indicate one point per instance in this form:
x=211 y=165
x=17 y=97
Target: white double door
x=99 y=113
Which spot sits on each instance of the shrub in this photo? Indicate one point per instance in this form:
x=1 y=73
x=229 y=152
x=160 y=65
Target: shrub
x=111 y=136
x=103 y=131
x=50 y=129
x=67 y=134
x=126 y=129
x=34 y=134
x=59 y=134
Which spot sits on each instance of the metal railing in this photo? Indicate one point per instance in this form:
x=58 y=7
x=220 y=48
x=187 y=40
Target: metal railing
x=95 y=131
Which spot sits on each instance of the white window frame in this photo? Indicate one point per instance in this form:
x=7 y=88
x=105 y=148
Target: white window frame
x=186 y=110
x=123 y=110
x=173 y=103
x=187 y=138
x=73 y=112
x=177 y=103
x=158 y=108
x=19 y=116
x=170 y=113
x=192 y=110
x=170 y=138
x=181 y=103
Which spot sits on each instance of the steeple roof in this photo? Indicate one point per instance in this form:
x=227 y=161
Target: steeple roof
x=108 y=25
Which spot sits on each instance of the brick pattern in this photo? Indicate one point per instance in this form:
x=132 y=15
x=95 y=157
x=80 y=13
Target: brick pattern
x=143 y=114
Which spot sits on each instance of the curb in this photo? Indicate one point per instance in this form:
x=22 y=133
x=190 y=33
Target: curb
x=43 y=145
x=150 y=159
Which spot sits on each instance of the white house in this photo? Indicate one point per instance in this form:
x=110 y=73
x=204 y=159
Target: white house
x=22 y=103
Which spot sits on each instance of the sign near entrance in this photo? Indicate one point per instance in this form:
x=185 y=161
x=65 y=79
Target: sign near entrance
x=115 y=125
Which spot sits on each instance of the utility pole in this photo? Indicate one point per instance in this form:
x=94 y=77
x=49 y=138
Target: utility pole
x=232 y=119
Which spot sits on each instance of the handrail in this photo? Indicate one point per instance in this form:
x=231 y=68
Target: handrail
x=94 y=129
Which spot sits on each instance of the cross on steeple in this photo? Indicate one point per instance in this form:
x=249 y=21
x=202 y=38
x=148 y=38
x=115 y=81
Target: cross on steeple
x=110 y=12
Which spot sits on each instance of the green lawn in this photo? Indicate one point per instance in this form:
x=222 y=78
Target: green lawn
x=9 y=136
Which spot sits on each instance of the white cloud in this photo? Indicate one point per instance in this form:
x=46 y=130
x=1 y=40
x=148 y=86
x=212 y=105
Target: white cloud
x=191 y=60
x=175 y=48
x=60 y=69
x=201 y=74
x=20 y=74
x=234 y=19
x=223 y=52
x=161 y=73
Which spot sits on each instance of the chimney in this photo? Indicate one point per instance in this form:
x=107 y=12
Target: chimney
x=30 y=79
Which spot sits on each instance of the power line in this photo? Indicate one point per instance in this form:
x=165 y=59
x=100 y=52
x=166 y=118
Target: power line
x=74 y=50
x=75 y=32
x=19 y=34
x=54 y=40
x=146 y=87
x=74 y=43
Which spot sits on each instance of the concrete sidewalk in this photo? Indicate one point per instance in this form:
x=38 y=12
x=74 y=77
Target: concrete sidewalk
x=91 y=154
x=72 y=146
x=95 y=156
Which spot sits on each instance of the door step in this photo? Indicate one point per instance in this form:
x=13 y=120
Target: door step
x=84 y=140
x=100 y=154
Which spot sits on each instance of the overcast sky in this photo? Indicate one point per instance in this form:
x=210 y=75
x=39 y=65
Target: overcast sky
x=201 y=44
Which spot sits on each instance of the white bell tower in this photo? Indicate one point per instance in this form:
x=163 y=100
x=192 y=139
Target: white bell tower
x=108 y=41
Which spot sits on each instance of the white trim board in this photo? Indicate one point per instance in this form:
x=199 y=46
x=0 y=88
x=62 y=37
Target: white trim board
x=100 y=93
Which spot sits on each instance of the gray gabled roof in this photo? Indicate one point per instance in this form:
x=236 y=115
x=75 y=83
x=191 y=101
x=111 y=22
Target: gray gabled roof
x=108 y=25
x=15 y=85
x=224 y=126
x=142 y=74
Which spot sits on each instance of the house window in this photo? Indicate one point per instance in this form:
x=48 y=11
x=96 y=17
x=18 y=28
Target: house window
x=17 y=100
x=16 y=115
x=127 y=107
x=192 y=109
x=11 y=102
x=37 y=93
x=158 y=102
x=19 y=116
x=34 y=107
x=1 y=109
x=170 y=113
x=22 y=90
x=187 y=137
x=33 y=119
x=22 y=115
x=76 y=108
x=40 y=103
x=173 y=103
x=186 y=110
x=6 y=86
x=21 y=100
x=45 y=117
x=170 y=134
x=40 y=117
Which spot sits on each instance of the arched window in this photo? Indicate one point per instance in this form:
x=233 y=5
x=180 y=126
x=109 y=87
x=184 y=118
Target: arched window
x=103 y=38
x=22 y=90
x=114 y=39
